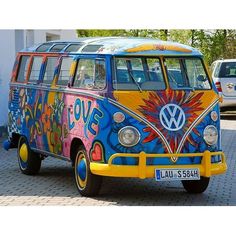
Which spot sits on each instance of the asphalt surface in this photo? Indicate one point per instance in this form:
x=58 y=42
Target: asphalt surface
x=54 y=185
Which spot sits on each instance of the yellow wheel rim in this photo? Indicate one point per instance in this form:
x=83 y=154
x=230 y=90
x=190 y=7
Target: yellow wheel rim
x=24 y=152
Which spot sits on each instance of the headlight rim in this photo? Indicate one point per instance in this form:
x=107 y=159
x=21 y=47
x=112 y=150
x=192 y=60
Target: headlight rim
x=212 y=114
x=129 y=127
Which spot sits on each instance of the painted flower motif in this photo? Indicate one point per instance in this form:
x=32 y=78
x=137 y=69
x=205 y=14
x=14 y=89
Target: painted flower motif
x=57 y=108
x=55 y=138
x=188 y=101
x=32 y=115
x=46 y=118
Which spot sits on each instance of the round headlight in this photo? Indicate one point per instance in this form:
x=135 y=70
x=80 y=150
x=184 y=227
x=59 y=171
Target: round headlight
x=210 y=135
x=128 y=136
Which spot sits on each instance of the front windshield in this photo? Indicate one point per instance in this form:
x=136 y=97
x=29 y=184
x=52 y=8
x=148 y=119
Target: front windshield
x=186 y=73
x=146 y=74
x=138 y=74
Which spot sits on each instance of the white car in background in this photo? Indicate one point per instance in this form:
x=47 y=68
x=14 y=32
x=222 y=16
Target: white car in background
x=224 y=77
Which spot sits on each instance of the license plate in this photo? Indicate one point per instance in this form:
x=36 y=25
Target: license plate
x=177 y=174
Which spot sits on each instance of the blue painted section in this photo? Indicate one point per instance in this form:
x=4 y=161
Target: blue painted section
x=81 y=170
x=109 y=131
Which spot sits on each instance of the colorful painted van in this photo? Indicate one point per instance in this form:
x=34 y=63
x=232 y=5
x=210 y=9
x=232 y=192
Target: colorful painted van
x=121 y=107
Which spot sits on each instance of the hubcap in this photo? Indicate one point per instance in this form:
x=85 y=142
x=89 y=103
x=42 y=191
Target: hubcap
x=81 y=171
x=24 y=152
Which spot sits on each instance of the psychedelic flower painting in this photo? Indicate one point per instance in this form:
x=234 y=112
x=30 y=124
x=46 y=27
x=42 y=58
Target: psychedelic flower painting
x=188 y=102
x=46 y=116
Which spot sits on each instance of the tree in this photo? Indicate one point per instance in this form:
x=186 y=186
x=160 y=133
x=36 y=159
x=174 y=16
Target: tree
x=214 y=44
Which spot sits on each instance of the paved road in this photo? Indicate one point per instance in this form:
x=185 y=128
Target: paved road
x=54 y=185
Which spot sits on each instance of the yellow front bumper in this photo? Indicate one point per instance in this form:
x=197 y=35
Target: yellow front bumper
x=143 y=171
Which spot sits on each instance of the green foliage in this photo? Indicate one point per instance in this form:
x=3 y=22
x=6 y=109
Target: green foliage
x=100 y=33
x=214 y=44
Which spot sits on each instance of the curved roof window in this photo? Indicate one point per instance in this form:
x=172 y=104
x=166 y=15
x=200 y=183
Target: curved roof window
x=73 y=48
x=44 y=47
x=91 y=48
x=58 y=47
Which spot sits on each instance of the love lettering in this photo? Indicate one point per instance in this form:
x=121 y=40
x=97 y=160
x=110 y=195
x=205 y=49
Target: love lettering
x=82 y=111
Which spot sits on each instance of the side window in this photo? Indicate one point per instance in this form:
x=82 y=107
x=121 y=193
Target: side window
x=49 y=70
x=22 y=72
x=90 y=74
x=100 y=74
x=35 y=69
x=65 y=71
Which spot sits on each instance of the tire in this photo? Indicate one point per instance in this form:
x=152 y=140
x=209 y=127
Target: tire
x=87 y=183
x=196 y=186
x=29 y=161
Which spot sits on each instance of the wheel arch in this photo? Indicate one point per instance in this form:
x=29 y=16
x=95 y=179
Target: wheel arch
x=76 y=142
x=15 y=137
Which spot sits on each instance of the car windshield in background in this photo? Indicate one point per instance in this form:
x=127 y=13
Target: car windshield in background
x=186 y=73
x=227 y=70
x=138 y=74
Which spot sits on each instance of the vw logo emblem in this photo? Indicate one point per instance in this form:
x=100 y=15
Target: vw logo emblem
x=172 y=117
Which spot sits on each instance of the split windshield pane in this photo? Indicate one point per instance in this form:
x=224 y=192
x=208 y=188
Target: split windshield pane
x=138 y=74
x=186 y=73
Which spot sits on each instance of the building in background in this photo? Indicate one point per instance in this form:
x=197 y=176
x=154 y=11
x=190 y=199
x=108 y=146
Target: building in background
x=12 y=41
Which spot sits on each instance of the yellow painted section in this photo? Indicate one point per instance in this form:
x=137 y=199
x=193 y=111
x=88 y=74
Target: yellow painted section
x=51 y=100
x=54 y=81
x=127 y=98
x=72 y=68
x=24 y=152
x=81 y=182
x=143 y=171
x=151 y=47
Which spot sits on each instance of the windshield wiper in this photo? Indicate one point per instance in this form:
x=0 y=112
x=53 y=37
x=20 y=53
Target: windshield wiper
x=131 y=75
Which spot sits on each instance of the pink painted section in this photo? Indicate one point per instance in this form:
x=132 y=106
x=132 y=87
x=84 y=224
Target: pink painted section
x=76 y=116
